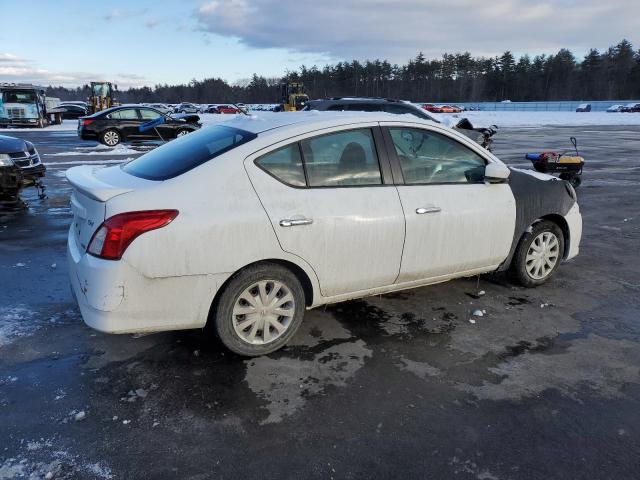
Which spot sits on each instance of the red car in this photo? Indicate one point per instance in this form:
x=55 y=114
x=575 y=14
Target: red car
x=450 y=109
x=429 y=107
x=227 y=109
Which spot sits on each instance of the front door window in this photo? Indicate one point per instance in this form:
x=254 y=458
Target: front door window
x=428 y=157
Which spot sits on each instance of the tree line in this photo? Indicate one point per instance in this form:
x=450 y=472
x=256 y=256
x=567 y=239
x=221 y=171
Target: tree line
x=613 y=74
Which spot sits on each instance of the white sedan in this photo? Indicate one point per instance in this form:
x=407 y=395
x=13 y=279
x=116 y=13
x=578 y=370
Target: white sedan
x=242 y=226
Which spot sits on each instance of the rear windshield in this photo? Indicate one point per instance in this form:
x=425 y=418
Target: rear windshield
x=187 y=152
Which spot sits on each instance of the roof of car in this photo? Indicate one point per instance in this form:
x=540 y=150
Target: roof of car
x=264 y=121
x=358 y=100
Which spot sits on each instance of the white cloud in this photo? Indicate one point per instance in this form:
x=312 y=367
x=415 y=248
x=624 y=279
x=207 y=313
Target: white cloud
x=19 y=70
x=398 y=29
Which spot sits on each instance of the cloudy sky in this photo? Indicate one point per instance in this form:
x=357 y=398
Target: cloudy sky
x=70 y=42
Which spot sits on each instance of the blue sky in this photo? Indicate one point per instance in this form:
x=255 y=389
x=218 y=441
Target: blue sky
x=134 y=42
x=147 y=42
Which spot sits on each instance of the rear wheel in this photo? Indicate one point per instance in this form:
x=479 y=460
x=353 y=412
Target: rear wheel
x=259 y=310
x=110 y=138
x=574 y=179
x=538 y=254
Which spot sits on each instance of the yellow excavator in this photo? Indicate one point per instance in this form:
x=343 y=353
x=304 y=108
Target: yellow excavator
x=292 y=97
x=102 y=96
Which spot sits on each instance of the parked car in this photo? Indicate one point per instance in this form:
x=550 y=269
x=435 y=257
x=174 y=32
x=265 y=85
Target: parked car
x=72 y=110
x=121 y=124
x=241 y=227
x=367 y=105
x=430 y=107
x=186 y=108
x=79 y=103
x=631 y=108
x=228 y=109
x=450 y=109
x=161 y=107
x=10 y=178
x=615 y=108
x=584 y=107
x=482 y=135
x=210 y=108
x=25 y=156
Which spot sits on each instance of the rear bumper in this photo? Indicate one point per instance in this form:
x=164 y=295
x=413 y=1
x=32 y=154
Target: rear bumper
x=87 y=135
x=114 y=297
x=574 y=221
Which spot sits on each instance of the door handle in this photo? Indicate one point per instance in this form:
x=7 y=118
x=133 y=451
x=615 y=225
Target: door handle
x=423 y=210
x=293 y=222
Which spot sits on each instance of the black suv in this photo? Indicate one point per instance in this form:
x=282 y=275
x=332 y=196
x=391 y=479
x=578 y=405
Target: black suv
x=481 y=135
x=368 y=105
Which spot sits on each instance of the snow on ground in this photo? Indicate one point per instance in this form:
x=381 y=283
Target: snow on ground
x=98 y=150
x=16 y=322
x=502 y=119
x=539 y=119
x=85 y=162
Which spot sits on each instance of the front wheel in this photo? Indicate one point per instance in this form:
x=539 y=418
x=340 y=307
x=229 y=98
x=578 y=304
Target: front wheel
x=538 y=254
x=259 y=310
x=110 y=138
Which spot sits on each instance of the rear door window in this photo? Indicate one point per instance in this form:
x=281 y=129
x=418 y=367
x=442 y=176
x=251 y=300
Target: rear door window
x=187 y=152
x=342 y=159
x=124 y=114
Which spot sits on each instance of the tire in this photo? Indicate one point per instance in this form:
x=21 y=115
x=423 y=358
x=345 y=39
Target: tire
x=574 y=179
x=526 y=259
x=242 y=293
x=110 y=137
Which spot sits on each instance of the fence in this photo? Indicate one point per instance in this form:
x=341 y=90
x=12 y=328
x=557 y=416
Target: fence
x=596 y=106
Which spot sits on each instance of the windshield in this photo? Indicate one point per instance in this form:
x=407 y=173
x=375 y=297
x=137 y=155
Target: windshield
x=101 y=90
x=19 y=96
x=187 y=152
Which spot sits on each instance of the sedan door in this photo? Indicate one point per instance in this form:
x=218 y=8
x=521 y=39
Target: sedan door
x=127 y=121
x=161 y=132
x=456 y=222
x=331 y=202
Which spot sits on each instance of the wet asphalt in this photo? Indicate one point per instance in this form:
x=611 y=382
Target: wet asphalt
x=545 y=385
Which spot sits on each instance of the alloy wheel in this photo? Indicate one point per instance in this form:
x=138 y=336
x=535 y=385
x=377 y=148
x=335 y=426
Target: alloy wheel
x=542 y=256
x=111 y=138
x=263 y=312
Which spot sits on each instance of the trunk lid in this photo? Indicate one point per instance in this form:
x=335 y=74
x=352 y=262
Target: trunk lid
x=88 y=200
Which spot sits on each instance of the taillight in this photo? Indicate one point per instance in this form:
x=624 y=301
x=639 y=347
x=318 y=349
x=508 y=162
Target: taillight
x=116 y=233
x=86 y=122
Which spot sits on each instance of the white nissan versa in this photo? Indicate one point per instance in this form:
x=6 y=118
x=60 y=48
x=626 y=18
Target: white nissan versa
x=243 y=226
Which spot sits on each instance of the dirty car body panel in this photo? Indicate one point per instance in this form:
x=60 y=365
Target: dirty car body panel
x=282 y=189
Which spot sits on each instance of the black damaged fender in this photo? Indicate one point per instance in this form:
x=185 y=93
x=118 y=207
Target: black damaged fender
x=535 y=198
